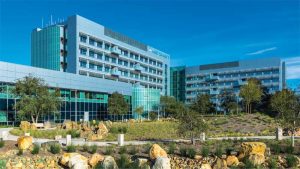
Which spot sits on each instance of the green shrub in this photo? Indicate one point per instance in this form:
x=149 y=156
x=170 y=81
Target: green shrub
x=2 y=143
x=205 y=151
x=291 y=160
x=123 y=162
x=85 y=148
x=122 y=130
x=114 y=130
x=249 y=164
x=171 y=148
x=273 y=164
x=74 y=133
x=36 y=149
x=289 y=149
x=108 y=150
x=55 y=148
x=2 y=164
x=71 y=148
x=92 y=149
x=183 y=151
x=191 y=152
x=229 y=150
x=20 y=152
x=123 y=150
x=219 y=151
x=275 y=148
x=133 y=150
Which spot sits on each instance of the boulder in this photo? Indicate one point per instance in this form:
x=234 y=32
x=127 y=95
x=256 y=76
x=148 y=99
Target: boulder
x=232 y=161
x=156 y=151
x=69 y=125
x=33 y=126
x=74 y=161
x=257 y=159
x=25 y=125
x=24 y=142
x=102 y=129
x=162 y=163
x=220 y=164
x=248 y=148
x=108 y=123
x=95 y=159
x=109 y=163
x=205 y=166
x=141 y=161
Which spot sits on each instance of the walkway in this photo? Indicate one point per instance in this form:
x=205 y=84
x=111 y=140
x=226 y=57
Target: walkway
x=80 y=141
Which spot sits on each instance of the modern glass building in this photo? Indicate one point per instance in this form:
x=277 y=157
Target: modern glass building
x=79 y=94
x=177 y=85
x=215 y=79
x=83 y=47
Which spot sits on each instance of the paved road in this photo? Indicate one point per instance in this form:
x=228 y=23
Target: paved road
x=80 y=141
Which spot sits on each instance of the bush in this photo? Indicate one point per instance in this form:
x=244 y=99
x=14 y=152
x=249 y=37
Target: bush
x=36 y=149
x=249 y=164
x=74 y=133
x=133 y=150
x=122 y=130
x=183 y=151
x=55 y=148
x=92 y=149
x=291 y=160
x=219 y=151
x=123 y=162
x=85 y=148
x=114 y=130
x=275 y=148
x=171 y=148
x=289 y=149
x=2 y=164
x=205 y=151
x=70 y=148
x=2 y=143
x=123 y=150
x=108 y=150
x=273 y=164
x=191 y=152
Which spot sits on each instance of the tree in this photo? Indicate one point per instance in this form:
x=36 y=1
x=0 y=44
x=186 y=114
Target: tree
x=251 y=92
x=171 y=106
x=139 y=110
x=35 y=99
x=229 y=102
x=287 y=105
x=191 y=123
x=202 y=104
x=117 y=104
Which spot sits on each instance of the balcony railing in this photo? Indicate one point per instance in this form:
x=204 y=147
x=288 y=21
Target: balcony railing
x=115 y=50
x=115 y=72
x=214 y=92
x=212 y=77
x=138 y=67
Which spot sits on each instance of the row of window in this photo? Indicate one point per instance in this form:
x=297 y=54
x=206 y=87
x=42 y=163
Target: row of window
x=233 y=75
x=108 y=46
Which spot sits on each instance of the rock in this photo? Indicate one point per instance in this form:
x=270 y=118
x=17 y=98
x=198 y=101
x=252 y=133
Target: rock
x=108 y=123
x=25 y=125
x=74 y=161
x=232 y=161
x=95 y=159
x=102 y=129
x=109 y=163
x=33 y=126
x=24 y=142
x=141 y=161
x=162 y=163
x=70 y=125
x=198 y=157
x=205 y=166
x=248 y=148
x=257 y=159
x=156 y=151
x=220 y=164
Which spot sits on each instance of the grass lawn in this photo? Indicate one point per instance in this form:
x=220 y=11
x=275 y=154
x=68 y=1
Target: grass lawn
x=241 y=125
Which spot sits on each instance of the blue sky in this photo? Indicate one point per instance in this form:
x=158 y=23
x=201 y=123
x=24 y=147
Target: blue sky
x=192 y=32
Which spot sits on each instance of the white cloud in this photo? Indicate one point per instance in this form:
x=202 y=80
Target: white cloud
x=262 y=51
x=292 y=68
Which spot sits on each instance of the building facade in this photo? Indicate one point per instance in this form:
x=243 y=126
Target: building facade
x=83 y=47
x=79 y=94
x=215 y=79
x=177 y=83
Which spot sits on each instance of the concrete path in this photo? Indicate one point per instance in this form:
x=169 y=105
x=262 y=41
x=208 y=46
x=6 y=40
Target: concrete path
x=80 y=141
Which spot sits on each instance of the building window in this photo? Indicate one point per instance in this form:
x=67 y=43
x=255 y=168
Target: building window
x=120 y=62
x=131 y=64
x=83 y=38
x=113 y=60
x=106 y=69
x=91 y=54
x=99 y=56
x=106 y=58
x=107 y=46
x=91 y=66
x=99 y=67
x=83 y=64
x=83 y=51
x=125 y=63
x=99 y=44
x=92 y=42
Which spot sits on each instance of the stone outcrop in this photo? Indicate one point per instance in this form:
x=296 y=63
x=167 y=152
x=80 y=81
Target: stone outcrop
x=232 y=161
x=109 y=163
x=25 y=126
x=254 y=151
x=220 y=164
x=156 y=151
x=93 y=132
x=205 y=166
x=74 y=161
x=70 y=125
x=162 y=163
x=24 y=142
x=95 y=159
